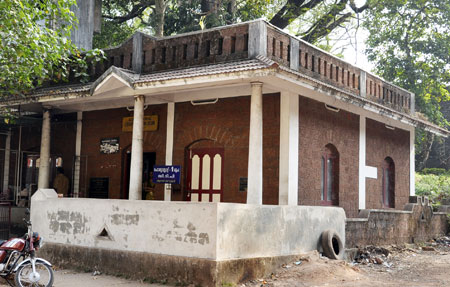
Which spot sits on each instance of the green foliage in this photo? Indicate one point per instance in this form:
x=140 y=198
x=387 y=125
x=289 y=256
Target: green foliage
x=410 y=44
x=254 y=9
x=35 y=45
x=123 y=18
x=435 y=171
x=30 y=52
x=187 y=16
x=435 y=184
x=112 y=34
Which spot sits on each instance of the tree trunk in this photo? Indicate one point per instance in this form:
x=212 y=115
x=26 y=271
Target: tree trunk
x=426 y=145
x=210 y=6
x=160 y=9
x=231 y=8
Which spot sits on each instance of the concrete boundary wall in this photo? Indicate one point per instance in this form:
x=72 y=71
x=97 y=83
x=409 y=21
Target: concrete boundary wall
x=230 y=242
x=416 y=223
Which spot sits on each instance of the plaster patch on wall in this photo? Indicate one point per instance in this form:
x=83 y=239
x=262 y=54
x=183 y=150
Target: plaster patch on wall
x=67 y=222
x=157 y=237
x=203 y=238
x=175 y=224
x=182 y=236
x=124 y=219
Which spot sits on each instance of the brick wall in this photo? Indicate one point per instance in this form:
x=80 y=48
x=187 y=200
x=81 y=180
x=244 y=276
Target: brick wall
x=108 y=124
x=382 y=142
x=226 y=124
x=319 y=127
x=217 y=45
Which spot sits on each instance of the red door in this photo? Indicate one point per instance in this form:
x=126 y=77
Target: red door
x=205 y=175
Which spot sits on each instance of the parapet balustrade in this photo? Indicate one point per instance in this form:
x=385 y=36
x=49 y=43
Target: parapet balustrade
x=231 y=43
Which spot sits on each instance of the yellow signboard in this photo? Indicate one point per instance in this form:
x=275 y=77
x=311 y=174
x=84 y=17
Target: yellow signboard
x=150 y=124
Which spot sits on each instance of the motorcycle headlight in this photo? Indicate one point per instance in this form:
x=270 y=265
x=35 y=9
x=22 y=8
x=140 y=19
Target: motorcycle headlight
x=39 y=242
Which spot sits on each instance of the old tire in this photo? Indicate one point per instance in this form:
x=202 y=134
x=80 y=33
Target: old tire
x=332 y=245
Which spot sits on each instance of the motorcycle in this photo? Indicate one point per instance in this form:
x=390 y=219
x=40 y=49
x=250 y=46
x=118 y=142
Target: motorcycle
x=18 y=259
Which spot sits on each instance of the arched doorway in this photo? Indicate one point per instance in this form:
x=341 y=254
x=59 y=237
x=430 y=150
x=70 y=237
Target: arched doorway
x=388 y=183
x=329 y=180
x=204 y=177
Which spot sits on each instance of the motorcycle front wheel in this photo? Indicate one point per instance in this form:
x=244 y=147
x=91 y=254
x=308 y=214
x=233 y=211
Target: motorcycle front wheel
x=42 y=278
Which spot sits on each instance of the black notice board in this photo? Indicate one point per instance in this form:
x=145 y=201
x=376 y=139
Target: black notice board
x=98 y=187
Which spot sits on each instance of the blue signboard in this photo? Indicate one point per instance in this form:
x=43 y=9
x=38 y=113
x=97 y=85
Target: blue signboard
x=166 y=174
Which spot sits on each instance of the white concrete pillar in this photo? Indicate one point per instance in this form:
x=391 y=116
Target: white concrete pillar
x=169 y=146
x=77 y=167
x=6 y=163
x=412 y=162
x=44 y=166
x=137 y=146
x=257 y=39
x=295 y=55
x=255 y=148
x=289 y=125
x=362 y=84
x=362 y=162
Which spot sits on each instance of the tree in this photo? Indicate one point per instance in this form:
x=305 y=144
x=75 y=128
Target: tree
x=31 y=44
x=35 y=44
x=410 y=44
x=317 y=18
x=333 y=14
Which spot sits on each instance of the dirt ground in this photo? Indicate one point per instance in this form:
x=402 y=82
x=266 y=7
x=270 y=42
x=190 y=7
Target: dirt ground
x=396 y=265
x=408 y=265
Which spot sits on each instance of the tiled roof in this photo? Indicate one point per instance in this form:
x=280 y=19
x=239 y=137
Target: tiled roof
x=259 y=63
x=58 y=90
x=213 y=69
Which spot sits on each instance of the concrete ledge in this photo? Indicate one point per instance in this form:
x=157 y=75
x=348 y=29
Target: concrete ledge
x=356 y=220
x=157 y=267
x=189 y=242
x=215 y=231
x=44 y=194
x=366 y=213
x=380 y=227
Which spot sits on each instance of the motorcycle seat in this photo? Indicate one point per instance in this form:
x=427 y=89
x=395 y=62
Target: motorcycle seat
x=2 y=241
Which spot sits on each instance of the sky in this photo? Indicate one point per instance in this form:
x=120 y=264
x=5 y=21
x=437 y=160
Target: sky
x=357 y=56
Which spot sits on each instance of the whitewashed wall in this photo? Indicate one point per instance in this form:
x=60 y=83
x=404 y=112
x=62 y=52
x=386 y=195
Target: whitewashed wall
x=217 y=231
x=247 y=231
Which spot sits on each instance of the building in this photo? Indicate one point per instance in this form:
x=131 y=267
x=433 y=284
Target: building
x=348 y=130
x=249 y=113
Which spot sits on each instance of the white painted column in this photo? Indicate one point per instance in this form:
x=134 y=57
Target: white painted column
x=362 y=162
x=255 y=148
x=44 y=165
x=137 y=147
x=169 y=146
x=412 y=162
x=6 y=163
x=289 y=125
x=77 y=168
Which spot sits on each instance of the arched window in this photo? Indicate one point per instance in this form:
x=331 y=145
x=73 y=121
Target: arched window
x=388 y=183
x=330 y=175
